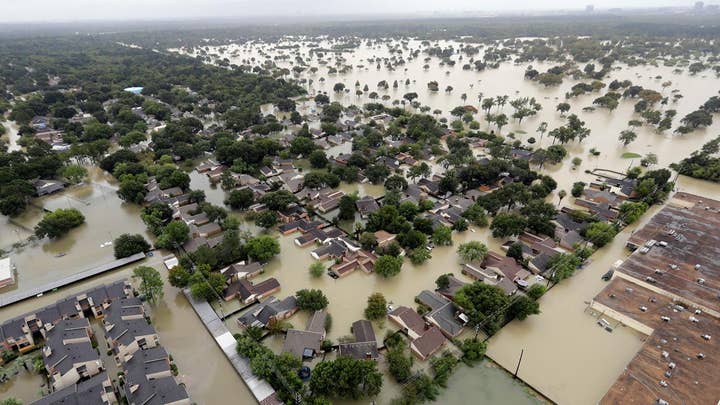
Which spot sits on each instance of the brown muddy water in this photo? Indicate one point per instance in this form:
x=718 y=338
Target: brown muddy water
x=106 y=217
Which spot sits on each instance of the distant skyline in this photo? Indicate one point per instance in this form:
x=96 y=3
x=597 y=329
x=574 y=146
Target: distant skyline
x=83 y=10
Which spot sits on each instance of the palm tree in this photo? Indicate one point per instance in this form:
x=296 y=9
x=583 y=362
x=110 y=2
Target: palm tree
x=542 y=128
x=561 y=195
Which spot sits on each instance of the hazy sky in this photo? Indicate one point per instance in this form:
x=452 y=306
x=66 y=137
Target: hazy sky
x=70 y=10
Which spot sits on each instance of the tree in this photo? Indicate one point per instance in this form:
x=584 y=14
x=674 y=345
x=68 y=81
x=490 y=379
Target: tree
x=179 y=277
x=698 y=118
x=346 y=378
x=151 y=284
x=313 y=300
x=399 y=365
x=632 y=211
x=339 y=87
x=419 y=255
x=443 y=366
x=473 y=350
x=206 y=287
x=318 y=159
x=241 y=199
x=483 y=304
x=266 y=219
x=501 y=120
x=302 y=146
x=278 y=200
x=127 y=245
x=561 y=194
x=376 y=307
x=442 y=236
x=396 y=183
x=562 y=265
x=388 y=266
x=600 y=233
x=627 y=137
x=473 y=251
x=563 y=108
x=175 y=233
x=59 y=222
x=368 y=241
x=577 y=189
x=536 y=291
x=74 y=173
x=515 y=251
x=505 y=225
x=556 y=153
x=347 y=208
x=476 y=214
x=317 y=269
x=443 y=281
x=262 y=248
x=11 y=401
x=522 y=307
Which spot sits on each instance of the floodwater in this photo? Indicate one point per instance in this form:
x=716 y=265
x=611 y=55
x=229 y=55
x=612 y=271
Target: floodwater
x=204 y=369
x=106 y=218
x=507 y=80
x=11 y=133
x=567 y=356
x=577 y=365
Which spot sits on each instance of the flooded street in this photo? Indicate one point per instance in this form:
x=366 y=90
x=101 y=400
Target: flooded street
x=106 y=218
x=11 y=135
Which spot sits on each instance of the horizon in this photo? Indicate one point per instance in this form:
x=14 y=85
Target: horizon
x=86 y=11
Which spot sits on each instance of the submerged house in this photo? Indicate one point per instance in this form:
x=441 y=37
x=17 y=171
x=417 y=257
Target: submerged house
x=97 y=390
x=126 y=328
x=272 y=310
x=426 y=340
x=149 y=379
x=69 y=355
x=443 y=313
x=307 y=343
x=365 y=345
x=248 y=292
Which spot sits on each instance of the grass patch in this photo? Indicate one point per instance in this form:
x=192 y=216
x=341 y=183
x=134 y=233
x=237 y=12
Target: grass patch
x=630 y=155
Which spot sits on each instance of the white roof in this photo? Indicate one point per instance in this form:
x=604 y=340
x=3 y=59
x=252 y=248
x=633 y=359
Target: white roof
x=6 y=269
x=171 y=261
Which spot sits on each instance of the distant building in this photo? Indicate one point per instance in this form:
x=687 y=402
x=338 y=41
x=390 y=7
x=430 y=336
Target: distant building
x=134 y=90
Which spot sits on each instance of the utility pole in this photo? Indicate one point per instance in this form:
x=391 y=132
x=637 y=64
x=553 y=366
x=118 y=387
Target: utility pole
x=518 y=364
